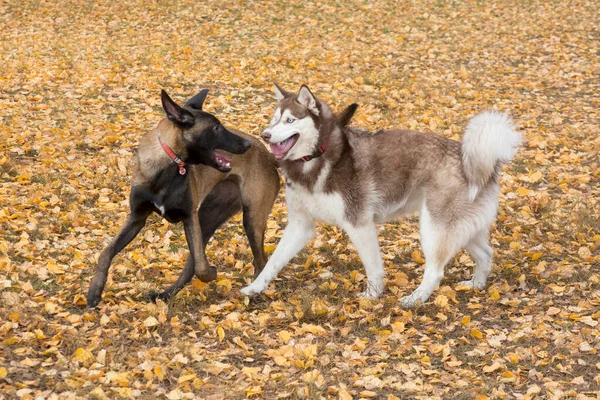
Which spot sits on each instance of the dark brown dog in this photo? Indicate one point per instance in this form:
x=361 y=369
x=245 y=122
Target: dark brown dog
x=180 y=175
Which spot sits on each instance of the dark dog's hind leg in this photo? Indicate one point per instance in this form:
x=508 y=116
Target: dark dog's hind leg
x=255 y=226
x=222 y=203
x=135 y=222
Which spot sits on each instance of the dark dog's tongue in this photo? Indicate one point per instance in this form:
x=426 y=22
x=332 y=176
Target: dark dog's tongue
x=222 y=160
x=280 y=149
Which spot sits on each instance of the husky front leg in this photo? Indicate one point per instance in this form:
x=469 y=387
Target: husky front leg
x=193 y=235
x=366 y=242
x=300 y=229
x=135 y=222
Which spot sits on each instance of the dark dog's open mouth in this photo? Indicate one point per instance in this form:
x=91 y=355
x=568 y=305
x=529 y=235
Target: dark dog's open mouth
x=280 y=149
x=223 y=163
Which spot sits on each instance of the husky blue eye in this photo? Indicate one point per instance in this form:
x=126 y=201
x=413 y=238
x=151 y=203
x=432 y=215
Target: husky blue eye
x=290 y=120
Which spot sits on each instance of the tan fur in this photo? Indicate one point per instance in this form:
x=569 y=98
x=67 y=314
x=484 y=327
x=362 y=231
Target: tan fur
x=253 y=173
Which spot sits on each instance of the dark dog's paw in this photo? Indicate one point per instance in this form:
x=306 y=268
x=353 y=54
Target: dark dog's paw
x=93 y=301
x=209 y=275
x=153 y=296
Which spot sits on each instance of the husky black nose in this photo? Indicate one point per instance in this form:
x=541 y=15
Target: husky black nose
x=265 y=135
x=246 y=144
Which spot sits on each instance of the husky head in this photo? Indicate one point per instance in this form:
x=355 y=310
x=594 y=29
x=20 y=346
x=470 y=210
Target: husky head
x=294 y=130
x=202 y=133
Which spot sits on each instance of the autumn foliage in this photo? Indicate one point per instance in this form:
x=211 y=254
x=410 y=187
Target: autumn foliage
x=80 y=83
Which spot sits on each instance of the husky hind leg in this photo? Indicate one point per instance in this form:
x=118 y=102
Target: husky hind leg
x=481 y=253
x=439 y=245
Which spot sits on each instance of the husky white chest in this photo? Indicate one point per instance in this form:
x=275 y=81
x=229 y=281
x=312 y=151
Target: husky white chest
x=321 y=206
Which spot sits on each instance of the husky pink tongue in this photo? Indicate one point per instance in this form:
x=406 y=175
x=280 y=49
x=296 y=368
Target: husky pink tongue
x=280 y=149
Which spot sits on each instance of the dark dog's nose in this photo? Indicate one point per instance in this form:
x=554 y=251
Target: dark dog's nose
x=265 y=135
x=246 y=144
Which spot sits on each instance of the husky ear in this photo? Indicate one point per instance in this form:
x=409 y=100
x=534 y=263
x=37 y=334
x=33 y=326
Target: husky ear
x=347 y=114
x=280 y=93
x=175 y=113
x=308 y=100
x=198 y=100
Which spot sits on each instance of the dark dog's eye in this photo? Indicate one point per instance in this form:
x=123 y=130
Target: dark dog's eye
x=217 y=127
x=290 y=120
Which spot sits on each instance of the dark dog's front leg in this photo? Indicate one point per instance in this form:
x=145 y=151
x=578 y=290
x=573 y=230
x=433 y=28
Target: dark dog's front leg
x=193 y=235
x=135 y=222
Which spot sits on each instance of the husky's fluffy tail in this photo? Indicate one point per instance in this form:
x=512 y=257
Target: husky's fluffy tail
x=490 y=140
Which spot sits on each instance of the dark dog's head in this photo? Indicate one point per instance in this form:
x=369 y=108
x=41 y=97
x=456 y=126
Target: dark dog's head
x=202 y=133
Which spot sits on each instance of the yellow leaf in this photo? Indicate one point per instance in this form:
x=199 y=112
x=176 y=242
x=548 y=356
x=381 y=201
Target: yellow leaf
x=150 y=321
x=476 y=333
x=158 y=371
x=280 y=360
x=507 y=374
x=398 y=327
x=253 y=390
x=82 y=355
x=187 y=377
x=250 y=372
x=495 y=295
x=221 y=333
x=3 y=372
x=522 y=191
x=285 y=336
x=54 y=268
x=416 y=256
x=441 y=301
x=536 y=256
x=512 y=357
x=536 y=176
x=491 y=368
x=198 y=284
x=270 y=248
x=344 y=395
x=466 y=319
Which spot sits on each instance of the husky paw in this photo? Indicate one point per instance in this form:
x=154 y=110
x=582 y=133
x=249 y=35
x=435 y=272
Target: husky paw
x=251 y=289
x=369 y=294
x=411 y=301
x=471 y=284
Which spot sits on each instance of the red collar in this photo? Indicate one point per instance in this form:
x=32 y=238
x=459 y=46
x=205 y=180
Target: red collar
x=173 y=156
x=316 y=154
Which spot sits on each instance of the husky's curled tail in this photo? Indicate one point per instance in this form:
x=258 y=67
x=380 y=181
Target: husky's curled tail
x=490 y=140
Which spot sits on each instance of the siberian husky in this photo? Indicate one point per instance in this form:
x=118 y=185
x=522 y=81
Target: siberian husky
x=355 y=179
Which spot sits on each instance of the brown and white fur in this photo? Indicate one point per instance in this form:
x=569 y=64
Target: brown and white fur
x=364 y=178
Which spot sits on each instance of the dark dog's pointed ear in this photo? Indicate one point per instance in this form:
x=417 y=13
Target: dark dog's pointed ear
x=346 y=115
x=175 y=113
x=198 y=100
x=308 y=100
x=280 y=93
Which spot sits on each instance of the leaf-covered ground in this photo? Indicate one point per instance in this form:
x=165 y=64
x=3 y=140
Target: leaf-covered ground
x=79 y=84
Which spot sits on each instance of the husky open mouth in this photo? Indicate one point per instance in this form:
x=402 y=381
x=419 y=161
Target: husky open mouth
x=280 y=149
x=223 y=163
